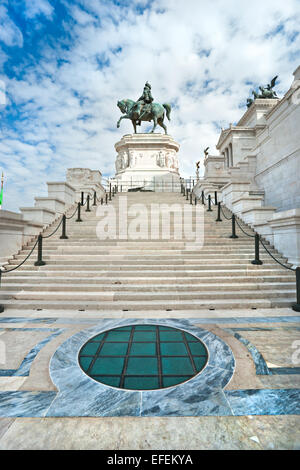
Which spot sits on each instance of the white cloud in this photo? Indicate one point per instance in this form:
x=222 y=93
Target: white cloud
x=197 y=55
x=34 y=8
x=10 y=34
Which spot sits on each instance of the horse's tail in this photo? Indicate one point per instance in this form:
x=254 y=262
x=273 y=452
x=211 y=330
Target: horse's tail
x=167 y=107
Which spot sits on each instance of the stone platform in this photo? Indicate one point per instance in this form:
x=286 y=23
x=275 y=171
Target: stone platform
x=149 y=161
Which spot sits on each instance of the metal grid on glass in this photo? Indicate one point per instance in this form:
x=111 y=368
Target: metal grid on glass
x=143 y=357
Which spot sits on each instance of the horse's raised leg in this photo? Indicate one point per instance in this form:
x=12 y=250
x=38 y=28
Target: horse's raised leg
x=122 y=117
x=154 y=124
x=161 y=123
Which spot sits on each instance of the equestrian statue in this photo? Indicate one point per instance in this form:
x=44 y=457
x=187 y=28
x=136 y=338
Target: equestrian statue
x=144 y=110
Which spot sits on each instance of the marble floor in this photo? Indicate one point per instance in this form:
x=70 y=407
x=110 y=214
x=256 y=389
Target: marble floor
x=246 y=397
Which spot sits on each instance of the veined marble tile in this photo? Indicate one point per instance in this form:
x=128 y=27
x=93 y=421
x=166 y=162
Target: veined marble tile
x=8 y=384
x=259 y=362
x=264 y=402
x=23 y=403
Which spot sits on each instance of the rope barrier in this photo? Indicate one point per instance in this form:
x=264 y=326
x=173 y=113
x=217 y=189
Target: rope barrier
x=68 y=218
x=248 y=234
x=228 y=218
x=38 y=242
x=48 y=236
x=16 y=267
x=283 y=265
x=259 y=238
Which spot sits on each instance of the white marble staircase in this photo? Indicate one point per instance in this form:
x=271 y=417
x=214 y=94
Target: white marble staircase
x=85 y=273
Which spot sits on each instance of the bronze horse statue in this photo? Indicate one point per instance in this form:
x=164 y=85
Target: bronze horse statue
x=153 y=112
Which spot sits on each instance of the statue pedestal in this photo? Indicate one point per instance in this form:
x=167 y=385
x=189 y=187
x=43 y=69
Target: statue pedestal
x=148 y=162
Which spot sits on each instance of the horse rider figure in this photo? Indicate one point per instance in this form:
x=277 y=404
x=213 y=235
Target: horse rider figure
x=143 y=104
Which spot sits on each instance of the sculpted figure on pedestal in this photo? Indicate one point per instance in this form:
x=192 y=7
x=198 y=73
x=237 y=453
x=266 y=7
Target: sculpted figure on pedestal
x=144 y=110
x=266 y=92
x=132 y=159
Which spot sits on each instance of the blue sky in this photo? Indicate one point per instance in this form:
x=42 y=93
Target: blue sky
x=65 y=64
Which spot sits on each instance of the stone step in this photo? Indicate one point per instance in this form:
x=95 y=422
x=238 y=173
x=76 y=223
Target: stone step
x=126 y=266
x=34 y=271
x=120 y=251
x=108 y=288
x=145 y=259
x=154 y=245
x=152 y=305
x=148 y=264
x=141 y=297
x=192 y=282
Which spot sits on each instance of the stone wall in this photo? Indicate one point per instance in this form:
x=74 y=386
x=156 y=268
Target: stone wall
x=278 y=156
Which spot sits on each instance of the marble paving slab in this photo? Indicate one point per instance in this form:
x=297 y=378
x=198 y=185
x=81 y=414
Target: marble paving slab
x=203 y=395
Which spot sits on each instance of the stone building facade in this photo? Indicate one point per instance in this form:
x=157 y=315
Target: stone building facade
x=257 y=171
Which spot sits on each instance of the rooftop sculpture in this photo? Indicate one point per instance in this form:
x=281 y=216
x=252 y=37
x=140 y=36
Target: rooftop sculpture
x=265 y=92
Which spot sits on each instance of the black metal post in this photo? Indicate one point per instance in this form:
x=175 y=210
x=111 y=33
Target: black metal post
x=209 y=204
x=187 y=194
x=183 y=192
x=218 y=219
x=195 y=200
x=78 y=213
x=82 y=197
x=88 y=204
x=296 y=307
x=63 y=232
x=106 y=198
x=1 y=306
x=121 y=188
x=110 y=191
x=233 y=234
x=256 y=260
x=202 y=197
x=216 y=198
x=40 y=261
x=191 y=199
x=95 y=199
x=101 y=201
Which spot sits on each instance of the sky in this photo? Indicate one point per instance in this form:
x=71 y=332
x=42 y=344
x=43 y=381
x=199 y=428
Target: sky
x=64 y=64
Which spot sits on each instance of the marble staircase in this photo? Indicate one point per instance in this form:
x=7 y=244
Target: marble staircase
x=119 y=275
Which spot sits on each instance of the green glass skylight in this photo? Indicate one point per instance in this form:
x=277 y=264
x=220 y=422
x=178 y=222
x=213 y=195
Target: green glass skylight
x=143 y=357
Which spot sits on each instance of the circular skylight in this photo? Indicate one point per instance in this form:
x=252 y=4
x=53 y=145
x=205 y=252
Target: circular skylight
x=143 y=357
